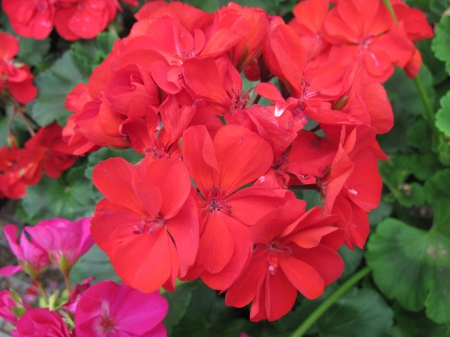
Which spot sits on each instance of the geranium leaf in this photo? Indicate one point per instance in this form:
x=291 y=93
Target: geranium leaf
x=74 y=67
x=359 y=310
x=441 y=42
x=65 y=197
x=53 y=85
x=418 y=136
x=443 y=115
x=178 y=303
x=406 y=104
x=412 y=266
x=437 y=193
x=409 y=324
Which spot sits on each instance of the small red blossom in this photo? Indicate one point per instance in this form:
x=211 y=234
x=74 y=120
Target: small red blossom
x=16 y=78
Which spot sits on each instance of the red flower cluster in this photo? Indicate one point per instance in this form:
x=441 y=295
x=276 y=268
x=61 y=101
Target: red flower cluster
x=21 y=167
x=211 y=200
x=73 y=19
x=14 y=77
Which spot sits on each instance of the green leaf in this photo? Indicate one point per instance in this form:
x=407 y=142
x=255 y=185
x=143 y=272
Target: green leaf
x=433 y=64
x=87 y=55
x=443 y=115
x=74 y=67
x=178 y=303
x=380 y=213
x=412 y=266
x=358 y=312
x=94 y=263
x=444 y=150
x=407 y=105
x=66 y=197
x=411 y=324
x=33 y=52
x=423 y=166
x=441 y=42
x=395 y=171
x=418 y=136
x=438 y=6
x=53 y=85
x=437 y=193
x=352 y=259
x=205 y=5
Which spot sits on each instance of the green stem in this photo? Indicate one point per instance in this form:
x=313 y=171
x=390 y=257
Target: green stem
x=41 y=289
x=329 y=301
x=425 y=101
x=389 y=6
x=68 y=284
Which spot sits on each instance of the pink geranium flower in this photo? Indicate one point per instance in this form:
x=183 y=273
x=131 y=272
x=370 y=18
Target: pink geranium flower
x=7 y=302
x=107 y=309
x=41 y=322
x=64 y=240
x=32 y=258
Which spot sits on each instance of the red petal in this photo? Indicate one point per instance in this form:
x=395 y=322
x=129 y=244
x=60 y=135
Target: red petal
x=324 y=260
x=172 y=179
x=216 y=243
x=272 y=225
x=280 y=295
x=113 y=178
x=107 y=219
x=244 y=289
x=304 y=277
x=250 y=204
x=310 y=238
x=200 y=158
x=184 y=230
x=242 y=157
x=145 y=262
x=241 y=253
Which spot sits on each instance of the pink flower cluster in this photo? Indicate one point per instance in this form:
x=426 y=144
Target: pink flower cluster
x=105 y=309
x=73 y=19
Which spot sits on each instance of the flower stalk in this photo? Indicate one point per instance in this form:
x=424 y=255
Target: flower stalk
x=329 y=301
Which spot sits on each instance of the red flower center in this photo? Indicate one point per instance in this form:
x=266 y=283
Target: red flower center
x=215 y=202
x=149 y=225
x=279 y=249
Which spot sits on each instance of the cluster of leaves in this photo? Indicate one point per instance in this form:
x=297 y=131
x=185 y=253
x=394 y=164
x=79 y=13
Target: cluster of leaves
x=408 y=251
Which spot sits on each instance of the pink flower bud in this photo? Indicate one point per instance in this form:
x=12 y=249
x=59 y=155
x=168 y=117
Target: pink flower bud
x=32 y=258
x=64 y=240
x=12 y=306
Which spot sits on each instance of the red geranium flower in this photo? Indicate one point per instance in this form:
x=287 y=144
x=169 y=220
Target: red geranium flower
x=147 y=223
x=220 y=168
x=294 y=251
